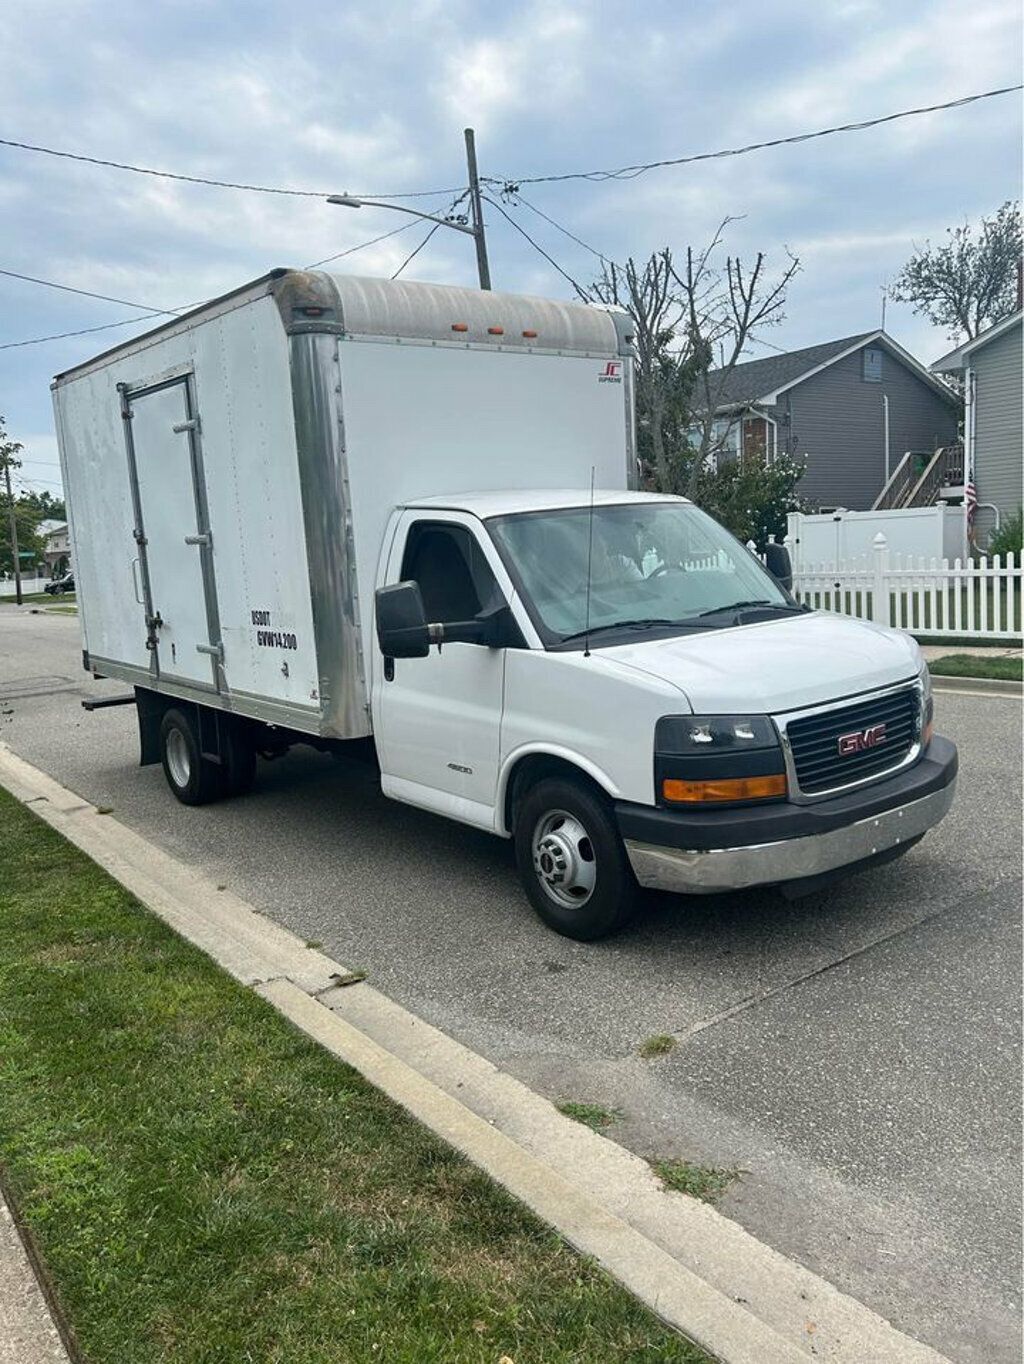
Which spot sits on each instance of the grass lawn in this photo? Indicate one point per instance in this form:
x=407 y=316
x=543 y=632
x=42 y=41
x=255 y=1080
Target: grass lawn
x=33 y=597
x=973 y=665
x=205 y=1184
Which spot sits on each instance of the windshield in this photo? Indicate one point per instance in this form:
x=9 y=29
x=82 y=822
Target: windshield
x=652 y=564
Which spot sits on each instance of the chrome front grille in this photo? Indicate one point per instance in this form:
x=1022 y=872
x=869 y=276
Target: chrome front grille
x=846 y=745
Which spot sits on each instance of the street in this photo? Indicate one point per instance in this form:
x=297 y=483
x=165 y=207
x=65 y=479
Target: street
x=855 y=1054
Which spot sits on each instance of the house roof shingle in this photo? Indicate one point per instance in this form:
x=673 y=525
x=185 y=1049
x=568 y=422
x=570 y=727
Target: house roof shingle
x=755 y=378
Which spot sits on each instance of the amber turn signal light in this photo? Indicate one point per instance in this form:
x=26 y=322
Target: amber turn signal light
x=727 y=788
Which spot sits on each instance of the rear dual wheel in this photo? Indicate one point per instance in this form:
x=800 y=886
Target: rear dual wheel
x=571 y=860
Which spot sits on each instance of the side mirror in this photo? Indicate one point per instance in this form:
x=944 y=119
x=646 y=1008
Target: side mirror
x=778 y=564
x=402 y=630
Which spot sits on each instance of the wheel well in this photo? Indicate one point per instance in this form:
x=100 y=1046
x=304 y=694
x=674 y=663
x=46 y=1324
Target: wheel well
x=209 y=724
x=533 y=768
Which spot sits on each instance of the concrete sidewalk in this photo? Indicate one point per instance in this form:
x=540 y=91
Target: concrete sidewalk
x=27 y=1331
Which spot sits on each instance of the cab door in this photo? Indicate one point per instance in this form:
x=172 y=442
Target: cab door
x=437 y=719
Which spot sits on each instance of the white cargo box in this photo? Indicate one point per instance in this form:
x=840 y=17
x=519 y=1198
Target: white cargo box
x=230 y=474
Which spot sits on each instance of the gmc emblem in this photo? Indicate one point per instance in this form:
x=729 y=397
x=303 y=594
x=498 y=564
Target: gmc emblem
x=861 y=739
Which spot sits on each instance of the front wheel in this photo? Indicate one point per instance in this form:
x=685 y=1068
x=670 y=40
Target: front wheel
x=571 y=860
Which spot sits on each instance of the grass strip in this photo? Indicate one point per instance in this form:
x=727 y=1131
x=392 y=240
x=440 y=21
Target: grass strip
x=204 y=1183
x=37 y=596
x=591 y=1115
x=974 y=665
x=699 y=1181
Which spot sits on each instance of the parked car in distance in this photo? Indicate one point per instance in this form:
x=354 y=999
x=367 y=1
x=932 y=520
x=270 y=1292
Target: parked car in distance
x=61 y=585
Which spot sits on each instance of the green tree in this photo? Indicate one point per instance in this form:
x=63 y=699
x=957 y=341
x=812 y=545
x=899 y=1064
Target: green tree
x=26 y=518
x=970 y=281
x=751 y=497
x=50 y=508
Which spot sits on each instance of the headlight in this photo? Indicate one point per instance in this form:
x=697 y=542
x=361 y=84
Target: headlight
x=714 y=733
x=717 y=759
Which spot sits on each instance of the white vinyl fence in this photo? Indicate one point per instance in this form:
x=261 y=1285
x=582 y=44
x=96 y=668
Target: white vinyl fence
x=8 y=588
x=926 y=597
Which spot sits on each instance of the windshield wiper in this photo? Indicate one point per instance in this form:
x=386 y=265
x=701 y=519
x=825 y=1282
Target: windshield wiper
x=744 y=605
x=629 y=625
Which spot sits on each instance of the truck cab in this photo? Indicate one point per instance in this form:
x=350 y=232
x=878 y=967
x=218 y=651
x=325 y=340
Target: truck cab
x=622 y=688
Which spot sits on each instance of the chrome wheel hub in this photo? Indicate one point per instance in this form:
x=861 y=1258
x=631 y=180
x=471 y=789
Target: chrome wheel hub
x=563 y=858
x=178 y=762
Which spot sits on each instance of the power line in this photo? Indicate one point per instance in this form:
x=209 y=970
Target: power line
x=631 y=172
x=372 y=242
x=413 y=254
x=205 y=180
x=88 y=293
x=537 y=247
x=83 y=331
x=605 y=260
x=162 y=312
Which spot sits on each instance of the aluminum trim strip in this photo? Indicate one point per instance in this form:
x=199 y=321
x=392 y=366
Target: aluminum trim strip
x=302 y=719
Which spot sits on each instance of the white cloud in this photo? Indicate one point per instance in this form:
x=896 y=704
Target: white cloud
x=373 y=97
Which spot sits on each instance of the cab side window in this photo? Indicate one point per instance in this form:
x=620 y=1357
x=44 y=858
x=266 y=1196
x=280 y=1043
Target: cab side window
x=454 y=577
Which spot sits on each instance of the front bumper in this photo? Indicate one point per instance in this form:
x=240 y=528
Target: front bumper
x=705 y=852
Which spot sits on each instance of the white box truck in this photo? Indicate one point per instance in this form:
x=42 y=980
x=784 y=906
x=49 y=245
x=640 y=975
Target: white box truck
x=362 y=512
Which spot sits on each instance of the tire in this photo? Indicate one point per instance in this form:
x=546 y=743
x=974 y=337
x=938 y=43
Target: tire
x=193 y=779
x=238 y=771
x=571 y=860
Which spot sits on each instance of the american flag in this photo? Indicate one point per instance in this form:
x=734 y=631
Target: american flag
x=970 y=498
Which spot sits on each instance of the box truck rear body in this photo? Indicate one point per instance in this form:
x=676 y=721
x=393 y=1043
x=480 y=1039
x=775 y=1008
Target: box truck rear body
x=230 y=475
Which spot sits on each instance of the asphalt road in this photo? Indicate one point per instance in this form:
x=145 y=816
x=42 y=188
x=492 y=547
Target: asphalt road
x=856 y=1054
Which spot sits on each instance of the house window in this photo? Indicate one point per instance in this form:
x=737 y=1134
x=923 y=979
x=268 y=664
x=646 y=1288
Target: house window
x=872 y=365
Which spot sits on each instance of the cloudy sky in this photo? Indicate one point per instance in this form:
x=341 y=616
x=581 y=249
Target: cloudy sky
x=371 y=98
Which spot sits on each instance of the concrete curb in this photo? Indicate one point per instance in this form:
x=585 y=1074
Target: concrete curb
x=995 y=686
x=28 y=1333
x=704 y=1274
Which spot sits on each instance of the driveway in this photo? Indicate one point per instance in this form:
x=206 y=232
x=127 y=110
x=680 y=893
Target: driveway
x=855 y=1054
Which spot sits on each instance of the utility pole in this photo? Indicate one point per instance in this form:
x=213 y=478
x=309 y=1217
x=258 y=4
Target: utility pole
x=483 y=268
x=8 y=461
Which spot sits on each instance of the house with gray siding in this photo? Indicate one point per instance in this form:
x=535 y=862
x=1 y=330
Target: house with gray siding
x=989 y=367
x=848 y=409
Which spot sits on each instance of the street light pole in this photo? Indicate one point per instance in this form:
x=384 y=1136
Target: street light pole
x=476 y=208
x=482 y=265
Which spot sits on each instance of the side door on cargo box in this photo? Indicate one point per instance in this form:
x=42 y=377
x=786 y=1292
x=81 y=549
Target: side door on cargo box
x=174 y=573
x=437 y=720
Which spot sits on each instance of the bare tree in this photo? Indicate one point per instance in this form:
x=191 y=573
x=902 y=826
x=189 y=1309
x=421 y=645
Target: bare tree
x=969 y=282
x=683 y=320
x=647 y=293
x=725 y=311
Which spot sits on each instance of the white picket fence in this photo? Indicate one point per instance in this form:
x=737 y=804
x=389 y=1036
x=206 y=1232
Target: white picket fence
x=926 y=597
